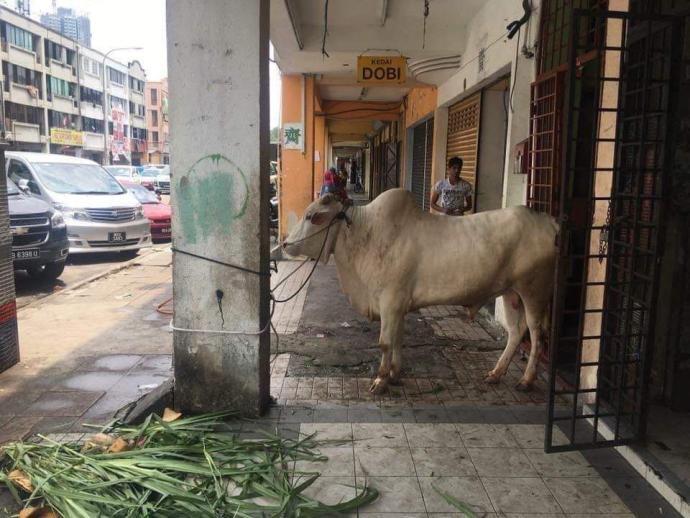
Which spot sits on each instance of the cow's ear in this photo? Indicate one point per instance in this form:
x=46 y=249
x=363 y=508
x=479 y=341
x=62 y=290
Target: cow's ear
x=319 y=218
x=326 y=199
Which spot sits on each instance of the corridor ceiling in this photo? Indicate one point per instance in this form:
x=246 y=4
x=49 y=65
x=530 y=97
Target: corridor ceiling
x=374 y=27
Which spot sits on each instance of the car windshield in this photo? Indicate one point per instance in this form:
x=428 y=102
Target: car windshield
x=77 y=178
x=12 y=189
x=142 y=194
x=149 y=173
x=119 y=171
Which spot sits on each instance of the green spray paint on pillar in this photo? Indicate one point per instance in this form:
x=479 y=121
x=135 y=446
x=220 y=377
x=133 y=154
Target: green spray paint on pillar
x=212 y=195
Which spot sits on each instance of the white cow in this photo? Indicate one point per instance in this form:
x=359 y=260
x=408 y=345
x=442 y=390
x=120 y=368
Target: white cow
x=393 y=258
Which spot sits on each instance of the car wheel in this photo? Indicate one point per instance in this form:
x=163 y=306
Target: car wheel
x=50 y=271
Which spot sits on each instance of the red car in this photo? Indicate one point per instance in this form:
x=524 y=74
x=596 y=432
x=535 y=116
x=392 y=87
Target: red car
x=158 y=213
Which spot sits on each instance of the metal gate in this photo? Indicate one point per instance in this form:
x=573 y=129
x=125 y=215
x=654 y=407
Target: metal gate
x=621 y=79
x=390 y=174
x=422 y=146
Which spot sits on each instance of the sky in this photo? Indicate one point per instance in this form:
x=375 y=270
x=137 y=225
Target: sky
x=137 y=23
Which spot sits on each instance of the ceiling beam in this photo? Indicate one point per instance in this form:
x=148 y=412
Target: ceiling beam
x=384 y=12
x=293 y=13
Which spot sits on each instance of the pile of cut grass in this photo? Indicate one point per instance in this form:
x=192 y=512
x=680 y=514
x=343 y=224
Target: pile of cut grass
x=169 y=467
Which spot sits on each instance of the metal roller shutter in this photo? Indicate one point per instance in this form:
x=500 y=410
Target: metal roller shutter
x=422 y=147
x=9 y=342
x=463 y=135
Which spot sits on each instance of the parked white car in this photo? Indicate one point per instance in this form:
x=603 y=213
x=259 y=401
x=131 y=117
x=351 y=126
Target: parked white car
x=124 y=172
x=100 y=214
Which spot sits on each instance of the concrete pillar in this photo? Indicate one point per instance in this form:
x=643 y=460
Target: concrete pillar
x=219 y=125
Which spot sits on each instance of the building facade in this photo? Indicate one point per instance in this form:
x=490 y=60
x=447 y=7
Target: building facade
x=57 y=95
x=157 y=121
x=68 y=23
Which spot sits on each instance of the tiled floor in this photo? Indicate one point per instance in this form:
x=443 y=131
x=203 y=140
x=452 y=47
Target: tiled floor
x=490 y=468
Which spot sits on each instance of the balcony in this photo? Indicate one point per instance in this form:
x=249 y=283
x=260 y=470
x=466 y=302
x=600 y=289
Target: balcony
x=24 y=94
x=92 y=111
x=26 y=132
x=93 y=141
x=21 y=56
x=63 y=104
x=61 y=70
x=137 y=97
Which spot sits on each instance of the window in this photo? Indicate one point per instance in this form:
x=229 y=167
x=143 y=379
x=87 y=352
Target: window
x=89 y=95
x=61 y=120
x=136 y=84
x=154 y=138
x=54 y=51
x=60 y=87
x=116 y=76
x=137 y=109
x=20 y=37
x=154 y=117
x=18 y=171
x=154 y=96
x=91 y=66
x=23 y=113
x=21 y=76
x=117 y=103
x=92 y=125
x=139 y=133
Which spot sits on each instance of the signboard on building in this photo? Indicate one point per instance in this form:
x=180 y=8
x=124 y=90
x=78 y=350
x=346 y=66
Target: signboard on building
x=293 y=135
x=381 y=70
x=119 y=143
x=66 y=137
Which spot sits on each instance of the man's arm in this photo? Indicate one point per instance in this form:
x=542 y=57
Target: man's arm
x=434 y=205
x=468 y=203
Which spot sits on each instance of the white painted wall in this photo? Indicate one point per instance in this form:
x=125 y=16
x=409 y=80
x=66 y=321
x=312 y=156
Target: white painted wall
x=493 y=126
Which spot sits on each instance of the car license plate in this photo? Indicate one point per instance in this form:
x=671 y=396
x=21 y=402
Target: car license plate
x=26 y=254
x=166 y=231
x=114 y=237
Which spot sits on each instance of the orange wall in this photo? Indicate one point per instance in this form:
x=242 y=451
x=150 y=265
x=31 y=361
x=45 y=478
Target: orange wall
x=321 y=164
x=420 y=102
x=300 y=175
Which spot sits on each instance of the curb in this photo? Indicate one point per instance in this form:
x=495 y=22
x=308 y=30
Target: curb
x=122 y=266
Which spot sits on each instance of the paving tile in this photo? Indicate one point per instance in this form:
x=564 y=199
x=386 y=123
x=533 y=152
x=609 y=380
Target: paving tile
x=14 y=402
x=400 y=414
x=567 y=464
x=585 y=495
x=332 y=490
x=364 y=415
x=434 y=414
x=396 y=495
x=61 y=403
x=384 y=462
x=433 y=435
x=481 y=435
x=53 y=425
x=468 y=490
x=501 y=462
x=17 y=428
x=340 y=462
x=532 y=435
x=379 y=435
x=326 y=432
x=520 y=495
x=120 y=362
x=139 y=383
x=331 y=415
x=94 y=381
x=442 y=462
x=297 y=414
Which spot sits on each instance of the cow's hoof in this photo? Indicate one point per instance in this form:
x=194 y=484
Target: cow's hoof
x=379 y=386
x=523 y=386
x=492 y=378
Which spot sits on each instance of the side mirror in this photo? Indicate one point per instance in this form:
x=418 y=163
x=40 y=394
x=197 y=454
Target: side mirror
x=23 y=185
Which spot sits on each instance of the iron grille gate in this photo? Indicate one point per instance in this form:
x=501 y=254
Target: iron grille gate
x=620 y=86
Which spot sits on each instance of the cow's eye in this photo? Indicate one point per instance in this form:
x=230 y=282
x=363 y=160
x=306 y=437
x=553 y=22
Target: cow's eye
x=307 y=217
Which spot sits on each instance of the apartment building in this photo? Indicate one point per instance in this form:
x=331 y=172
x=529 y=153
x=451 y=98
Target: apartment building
x=157 y=121
x=57 y=94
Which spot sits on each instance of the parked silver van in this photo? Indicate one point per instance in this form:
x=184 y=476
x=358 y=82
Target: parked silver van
x=101 y=215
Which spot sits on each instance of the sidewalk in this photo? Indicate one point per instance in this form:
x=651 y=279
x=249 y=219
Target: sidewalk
x=87 y=352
